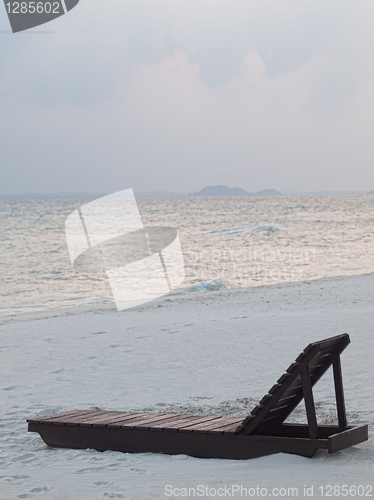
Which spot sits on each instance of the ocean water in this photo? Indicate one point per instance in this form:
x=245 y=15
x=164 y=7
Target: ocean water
x=226 y=242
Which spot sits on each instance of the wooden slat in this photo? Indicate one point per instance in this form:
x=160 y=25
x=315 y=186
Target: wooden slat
x=131 y=419
x=293 y=390
x=228 y=421
x=114 y=418
x=205 y=425
x=64 y=414
x=283 y=378
x=313 y=368
x=329 y=343
x=275 y=387
x=98 y=415
x=258 y=408
x=199 y=419
x=286 y=399
x=301 y=357
x=118 y=423
x=178 y=423
x=213 y=424
x=292 y=367
x=218 y=425
x=51 y=418
x=103 y=420
x=125 y=416
x=333 y=342
x=325 y=355
x=265 y=399
x=230 y=429
x=147 y=418
x=268 y=419
x=186 y=426
x=170 y=422
x=161 y=418
x=79 y=416
x=277 y=409
x=75 y=419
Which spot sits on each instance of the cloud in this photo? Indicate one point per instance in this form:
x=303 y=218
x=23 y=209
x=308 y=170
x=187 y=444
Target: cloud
x=175 y=95
x=97 y=46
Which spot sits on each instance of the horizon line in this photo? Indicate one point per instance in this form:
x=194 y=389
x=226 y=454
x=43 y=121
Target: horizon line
x=174 y=194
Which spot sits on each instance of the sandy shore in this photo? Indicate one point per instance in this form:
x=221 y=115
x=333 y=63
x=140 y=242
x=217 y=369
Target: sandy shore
x=216 y=353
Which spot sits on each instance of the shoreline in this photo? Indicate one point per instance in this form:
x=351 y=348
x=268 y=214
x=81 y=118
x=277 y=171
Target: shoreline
x=184 y=298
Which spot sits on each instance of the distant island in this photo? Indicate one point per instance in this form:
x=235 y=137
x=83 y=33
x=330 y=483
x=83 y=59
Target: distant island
x=51 y=196
x=207 y=191
x=226 y=191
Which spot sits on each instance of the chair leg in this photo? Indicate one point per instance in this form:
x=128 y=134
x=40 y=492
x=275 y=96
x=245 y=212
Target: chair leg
x=339 y=393
x=309 y=403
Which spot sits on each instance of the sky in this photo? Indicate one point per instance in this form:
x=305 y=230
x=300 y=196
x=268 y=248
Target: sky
x=180 y=94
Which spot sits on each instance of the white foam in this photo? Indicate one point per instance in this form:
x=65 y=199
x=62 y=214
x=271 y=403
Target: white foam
x=204 y=286
x=265 y=227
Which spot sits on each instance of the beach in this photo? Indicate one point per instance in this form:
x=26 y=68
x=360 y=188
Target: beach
x=212 y=353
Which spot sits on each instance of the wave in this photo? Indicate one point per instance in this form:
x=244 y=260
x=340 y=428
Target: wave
x=204 y=286
x=265 y=227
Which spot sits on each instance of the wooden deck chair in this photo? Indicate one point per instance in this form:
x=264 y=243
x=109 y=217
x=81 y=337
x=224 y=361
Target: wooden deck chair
x=263 y=432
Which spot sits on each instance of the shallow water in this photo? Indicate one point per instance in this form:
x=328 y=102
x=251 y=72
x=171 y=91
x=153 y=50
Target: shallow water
x=252 y=242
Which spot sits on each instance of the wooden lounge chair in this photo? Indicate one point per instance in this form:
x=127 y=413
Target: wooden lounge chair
x=263 y=432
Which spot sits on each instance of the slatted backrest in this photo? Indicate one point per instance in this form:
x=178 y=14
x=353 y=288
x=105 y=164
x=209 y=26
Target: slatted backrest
x=287 y=393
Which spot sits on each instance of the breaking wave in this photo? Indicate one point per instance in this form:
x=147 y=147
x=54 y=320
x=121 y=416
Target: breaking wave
x=264 y=227
x=204 y=286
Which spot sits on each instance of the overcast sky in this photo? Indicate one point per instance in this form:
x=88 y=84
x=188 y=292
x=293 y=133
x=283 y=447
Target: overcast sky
x=180 y=94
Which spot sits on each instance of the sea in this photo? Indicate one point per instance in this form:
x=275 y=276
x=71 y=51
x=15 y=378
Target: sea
x=227 y=243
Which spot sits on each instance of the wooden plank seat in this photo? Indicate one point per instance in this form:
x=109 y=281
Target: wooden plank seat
x=263 y=432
